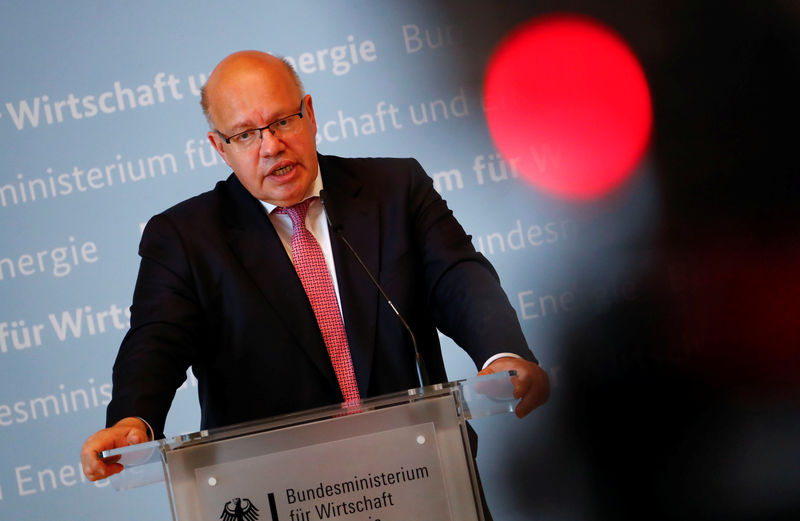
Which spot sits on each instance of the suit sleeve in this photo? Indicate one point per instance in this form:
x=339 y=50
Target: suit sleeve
x=165 y=333
x=464 y=291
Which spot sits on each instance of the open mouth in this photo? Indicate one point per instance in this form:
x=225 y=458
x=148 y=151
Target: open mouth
x=282 y=170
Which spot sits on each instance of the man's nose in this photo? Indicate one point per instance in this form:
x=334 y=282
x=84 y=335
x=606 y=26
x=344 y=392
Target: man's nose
x=270 y=144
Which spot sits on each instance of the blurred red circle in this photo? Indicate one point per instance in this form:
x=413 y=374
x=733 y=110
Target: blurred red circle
x=568 y=105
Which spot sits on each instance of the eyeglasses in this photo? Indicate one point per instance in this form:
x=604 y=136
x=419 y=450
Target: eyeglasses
x=286 y=126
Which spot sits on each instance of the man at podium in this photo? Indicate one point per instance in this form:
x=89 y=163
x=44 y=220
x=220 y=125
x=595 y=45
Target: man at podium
x=257 y=284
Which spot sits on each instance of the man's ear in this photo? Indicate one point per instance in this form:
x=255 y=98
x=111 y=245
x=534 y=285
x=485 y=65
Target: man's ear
x=217 y=142
x=310 y=112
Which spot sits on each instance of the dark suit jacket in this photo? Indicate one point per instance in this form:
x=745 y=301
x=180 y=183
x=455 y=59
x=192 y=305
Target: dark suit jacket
x=216 y=291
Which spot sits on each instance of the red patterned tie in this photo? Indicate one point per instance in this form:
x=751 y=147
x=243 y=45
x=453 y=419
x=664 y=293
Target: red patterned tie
x=309 y=262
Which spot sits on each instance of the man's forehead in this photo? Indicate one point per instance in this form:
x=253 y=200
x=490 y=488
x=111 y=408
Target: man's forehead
x=255 y=95
x=248 y=69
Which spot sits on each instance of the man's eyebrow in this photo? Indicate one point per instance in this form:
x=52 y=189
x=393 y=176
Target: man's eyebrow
x=247 y=123
x=240 y=126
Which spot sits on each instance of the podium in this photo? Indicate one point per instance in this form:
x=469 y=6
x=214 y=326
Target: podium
x=402 y=456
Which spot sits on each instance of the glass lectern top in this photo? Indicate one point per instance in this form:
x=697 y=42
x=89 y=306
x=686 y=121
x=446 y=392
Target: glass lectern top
x=478 y=397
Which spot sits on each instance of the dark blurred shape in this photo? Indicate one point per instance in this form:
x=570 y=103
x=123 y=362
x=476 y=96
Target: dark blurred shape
x=568 y=104
x=682 y=402
x=735 y=308
x=685 y=401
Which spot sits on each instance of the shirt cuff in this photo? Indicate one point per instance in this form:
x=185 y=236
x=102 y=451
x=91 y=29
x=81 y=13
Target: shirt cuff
x=498 y=355
x=150 y=434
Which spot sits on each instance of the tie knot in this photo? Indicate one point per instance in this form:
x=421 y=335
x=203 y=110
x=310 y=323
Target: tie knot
x=297 y=213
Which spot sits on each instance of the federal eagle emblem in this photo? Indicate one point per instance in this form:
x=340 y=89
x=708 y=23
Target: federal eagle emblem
x=238 y=509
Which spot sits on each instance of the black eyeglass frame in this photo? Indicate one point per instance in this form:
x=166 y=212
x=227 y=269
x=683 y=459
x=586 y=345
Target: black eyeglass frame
x=266 y=127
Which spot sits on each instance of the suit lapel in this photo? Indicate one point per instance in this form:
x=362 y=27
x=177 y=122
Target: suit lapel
x=255 y=242
x=358 y=218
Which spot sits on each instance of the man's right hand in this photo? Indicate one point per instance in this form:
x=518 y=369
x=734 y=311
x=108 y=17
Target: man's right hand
x=128 y=431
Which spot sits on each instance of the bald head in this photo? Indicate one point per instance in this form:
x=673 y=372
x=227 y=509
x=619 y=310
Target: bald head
x=243 y=65
x=248 y=92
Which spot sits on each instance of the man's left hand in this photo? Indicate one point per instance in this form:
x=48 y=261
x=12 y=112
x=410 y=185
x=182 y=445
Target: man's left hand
x=531 y=383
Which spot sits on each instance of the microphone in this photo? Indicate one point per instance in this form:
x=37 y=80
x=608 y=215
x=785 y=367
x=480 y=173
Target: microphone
x=422 y=372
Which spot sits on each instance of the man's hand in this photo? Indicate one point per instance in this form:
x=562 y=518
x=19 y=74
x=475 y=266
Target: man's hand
x=531 y=383
x=128 y=431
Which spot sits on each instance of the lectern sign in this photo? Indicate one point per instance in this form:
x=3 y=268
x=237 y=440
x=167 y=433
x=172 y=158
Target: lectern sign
x=398 y=457
x=383 y=476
